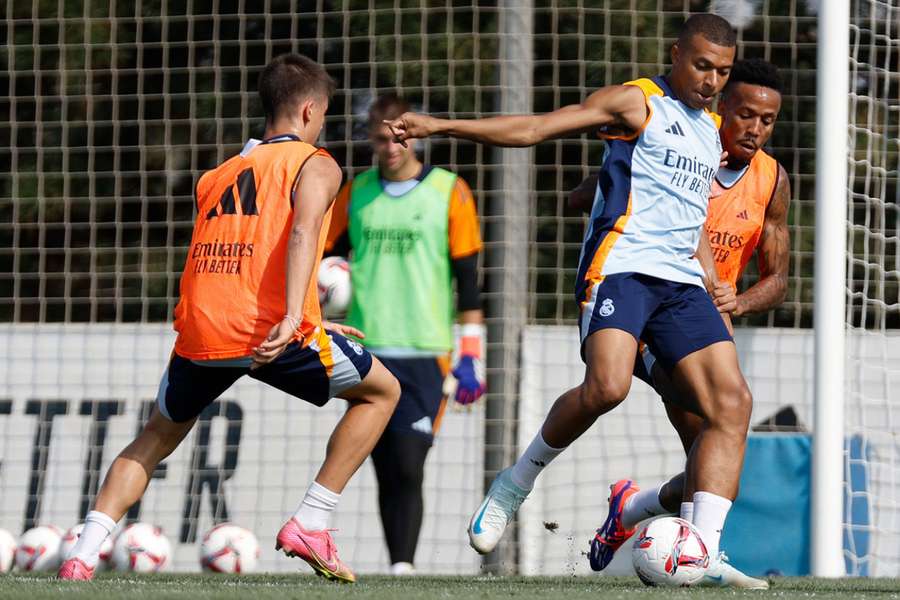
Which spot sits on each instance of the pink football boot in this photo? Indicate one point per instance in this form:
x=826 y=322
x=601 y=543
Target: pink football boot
x=316 y=548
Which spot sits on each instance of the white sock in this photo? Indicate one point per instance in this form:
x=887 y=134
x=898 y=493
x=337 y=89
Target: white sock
x=687 y=511
x=537 y=456
x=642 y=505
x=97 y=526
x=710 y=512
x=315 y=511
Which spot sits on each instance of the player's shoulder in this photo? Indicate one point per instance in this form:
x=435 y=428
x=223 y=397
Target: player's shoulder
x=649 y=86
x=322 y=164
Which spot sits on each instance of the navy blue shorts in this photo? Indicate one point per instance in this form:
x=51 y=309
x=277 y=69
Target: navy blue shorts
x=327 y=366
x=674 y=319
x=422 y=398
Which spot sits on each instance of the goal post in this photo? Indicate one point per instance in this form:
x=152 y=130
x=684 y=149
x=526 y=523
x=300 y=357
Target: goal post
x=830 y=292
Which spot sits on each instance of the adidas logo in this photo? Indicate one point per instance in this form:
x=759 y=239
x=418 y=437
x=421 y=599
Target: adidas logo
x=743 y=215
x=423 y=425
x=675 y=129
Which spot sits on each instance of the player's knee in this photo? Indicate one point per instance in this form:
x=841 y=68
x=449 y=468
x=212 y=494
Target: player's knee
x=732 y=408
x=389 y=394
x=602 y=393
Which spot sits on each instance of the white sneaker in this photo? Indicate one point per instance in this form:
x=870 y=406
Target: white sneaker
x=496 y=511
x=721 y=574
x=403 y=568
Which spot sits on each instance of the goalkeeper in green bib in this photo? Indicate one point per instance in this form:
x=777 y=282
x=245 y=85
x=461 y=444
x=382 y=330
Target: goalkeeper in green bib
x=409 y=230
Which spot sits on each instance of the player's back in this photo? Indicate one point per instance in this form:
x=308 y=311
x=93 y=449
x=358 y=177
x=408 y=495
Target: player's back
x=655 y=189
x=233 y=285
x=737 y=212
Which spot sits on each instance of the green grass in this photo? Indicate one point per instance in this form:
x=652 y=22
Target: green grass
x=111 y=585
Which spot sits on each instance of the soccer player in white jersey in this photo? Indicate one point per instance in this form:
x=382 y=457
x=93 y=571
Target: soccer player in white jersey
x=747 y=212
x=638 y=276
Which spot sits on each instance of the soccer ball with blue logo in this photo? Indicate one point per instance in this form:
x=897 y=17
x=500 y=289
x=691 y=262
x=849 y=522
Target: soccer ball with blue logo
x=669 y=552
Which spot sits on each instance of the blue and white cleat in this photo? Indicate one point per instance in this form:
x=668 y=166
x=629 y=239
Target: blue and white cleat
x=496 y=511
x=721 y=574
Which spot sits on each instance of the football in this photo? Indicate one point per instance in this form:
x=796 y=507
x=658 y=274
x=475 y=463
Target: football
x=7 y=551
x=334 y=286
x=669 y=552
x=141 y=548
x=228 y=548
x=38 y=549
x=71 y=537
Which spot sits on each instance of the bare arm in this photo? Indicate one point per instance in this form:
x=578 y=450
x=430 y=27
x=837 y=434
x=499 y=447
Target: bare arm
x=773 y=254
x=707 y=261
x=618 y=105
x=582 y=197
x=318 y=185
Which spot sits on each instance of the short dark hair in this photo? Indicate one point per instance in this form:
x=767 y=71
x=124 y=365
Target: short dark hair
x=712 y=27
x=754 y=71
x=386 y=108
x=288 y=80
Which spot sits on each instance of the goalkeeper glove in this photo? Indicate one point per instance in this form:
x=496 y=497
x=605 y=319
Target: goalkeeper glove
x=469 y=370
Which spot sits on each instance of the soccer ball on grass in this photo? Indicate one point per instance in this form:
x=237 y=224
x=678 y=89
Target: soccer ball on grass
x=669 y=552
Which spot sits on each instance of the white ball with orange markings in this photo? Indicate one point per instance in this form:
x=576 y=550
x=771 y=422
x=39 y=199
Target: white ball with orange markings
x=228 y=548
x=669 y=552
x=7 y=551
x=38 y=549
x=334 y=286
x=141 y=548
x=71 y=538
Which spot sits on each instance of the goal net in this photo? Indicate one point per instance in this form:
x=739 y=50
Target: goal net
x=872 y=473
x=113 y=110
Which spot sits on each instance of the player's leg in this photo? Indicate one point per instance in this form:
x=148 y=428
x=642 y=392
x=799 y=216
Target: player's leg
x=331 y=366
x=668 y=497
x=612 y=318
x=185 y=390
x=714 y=378
x=609 y=354
x=399 y=460
x=691 y=341
x=399 y=457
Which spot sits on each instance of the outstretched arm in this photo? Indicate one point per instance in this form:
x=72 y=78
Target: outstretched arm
x=773 y=254
x=619 y=105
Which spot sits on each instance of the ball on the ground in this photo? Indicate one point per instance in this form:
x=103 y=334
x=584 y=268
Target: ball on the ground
x=70 y=538
x=334 y=286
x=669 y=552
x=141 y=548
x=38 y=549
x=228 y=548
x=7 y=551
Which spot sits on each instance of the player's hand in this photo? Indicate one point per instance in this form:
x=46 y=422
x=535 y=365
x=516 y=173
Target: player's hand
x=723 y=160
x=343 y=329
x=279 y=337
x=412 y=125
x=470 y=380
x=724 y=297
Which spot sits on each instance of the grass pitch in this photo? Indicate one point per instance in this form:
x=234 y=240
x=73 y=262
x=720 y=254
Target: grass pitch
x=112 y=585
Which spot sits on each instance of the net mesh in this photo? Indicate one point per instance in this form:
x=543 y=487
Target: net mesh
x=873 y=308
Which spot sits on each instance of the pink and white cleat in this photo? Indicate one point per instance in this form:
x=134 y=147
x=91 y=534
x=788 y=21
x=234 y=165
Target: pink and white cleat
x=75 y=569
x=316 y=548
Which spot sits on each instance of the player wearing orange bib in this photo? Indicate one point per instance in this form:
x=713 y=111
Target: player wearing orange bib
x=748 y=210
x=249 y=306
